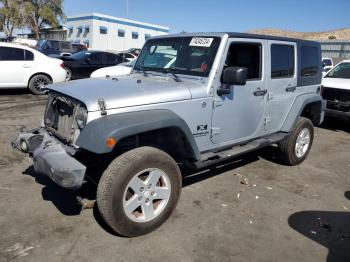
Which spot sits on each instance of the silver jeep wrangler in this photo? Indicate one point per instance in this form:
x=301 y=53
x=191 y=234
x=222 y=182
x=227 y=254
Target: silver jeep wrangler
x=191 y=99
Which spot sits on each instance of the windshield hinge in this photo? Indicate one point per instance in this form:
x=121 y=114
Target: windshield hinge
x=218 y=102
x=102 y=105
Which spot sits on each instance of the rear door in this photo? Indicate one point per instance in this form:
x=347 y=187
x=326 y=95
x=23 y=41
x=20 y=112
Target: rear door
x=14 y=66
x=281 y=83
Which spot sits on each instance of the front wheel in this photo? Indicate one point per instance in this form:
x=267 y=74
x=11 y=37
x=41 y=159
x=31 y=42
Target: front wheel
x=138 y=191
x=295 y=148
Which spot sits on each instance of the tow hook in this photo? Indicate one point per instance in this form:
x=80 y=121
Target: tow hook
x=85 y=203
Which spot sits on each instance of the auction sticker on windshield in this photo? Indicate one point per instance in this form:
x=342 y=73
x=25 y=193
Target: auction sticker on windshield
x=201 y=41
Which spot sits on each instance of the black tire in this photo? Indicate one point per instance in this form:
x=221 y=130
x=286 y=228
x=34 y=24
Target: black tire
x=69 y=73
x=287 y=146
x=114 y=182
x=37 y=82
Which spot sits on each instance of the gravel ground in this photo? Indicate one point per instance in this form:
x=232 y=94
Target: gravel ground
x=284 y=213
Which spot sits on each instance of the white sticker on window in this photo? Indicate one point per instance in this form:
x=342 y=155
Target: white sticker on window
x=201 y=41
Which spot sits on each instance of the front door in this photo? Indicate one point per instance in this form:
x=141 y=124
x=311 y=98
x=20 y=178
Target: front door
x=239 y=116
x=281 y=82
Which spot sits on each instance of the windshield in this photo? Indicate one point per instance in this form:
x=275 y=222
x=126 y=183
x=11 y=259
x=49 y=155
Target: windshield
x=130 y=64
x=327 y=62
x=41 y=44
x=340 y=71
x=183 y=55
x=79 y=55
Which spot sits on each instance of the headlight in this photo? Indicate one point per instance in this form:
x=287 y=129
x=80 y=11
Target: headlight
x=81 y=117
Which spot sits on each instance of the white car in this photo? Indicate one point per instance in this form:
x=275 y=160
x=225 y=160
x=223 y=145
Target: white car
x=327 y=64
x=128 y=57
x=118 y=70
x=24 y=67
x=336 y=90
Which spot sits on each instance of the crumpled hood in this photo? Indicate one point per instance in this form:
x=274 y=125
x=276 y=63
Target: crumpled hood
x=340 y=83
x=131 y=90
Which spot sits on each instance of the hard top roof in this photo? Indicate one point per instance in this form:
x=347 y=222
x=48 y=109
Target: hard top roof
x=239 y=35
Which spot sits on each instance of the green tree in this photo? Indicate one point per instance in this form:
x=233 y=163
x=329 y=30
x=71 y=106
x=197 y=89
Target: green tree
x=10 y=16
x=40 y=13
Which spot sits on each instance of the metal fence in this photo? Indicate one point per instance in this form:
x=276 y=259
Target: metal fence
x=336 y=49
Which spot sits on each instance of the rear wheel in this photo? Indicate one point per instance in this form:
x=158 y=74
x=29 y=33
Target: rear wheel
x=69 y=73
x=295 y=148
x=139 y=191
x=38 y=83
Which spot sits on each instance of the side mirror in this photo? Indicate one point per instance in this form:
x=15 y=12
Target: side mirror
x=234 y=75
x=324 y=64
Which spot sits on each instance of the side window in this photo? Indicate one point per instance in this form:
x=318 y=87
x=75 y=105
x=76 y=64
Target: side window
x=147 y=36
x=135 y=35
x=29 y=56
x=103 y=30
x=309 y=61
x=53 y=45
x=246 y=55
x=11 y=54
x=96 y=58
x=282 y=61
x=121 y=33
x=65 y=46
x=129 y=56
x=110 y=58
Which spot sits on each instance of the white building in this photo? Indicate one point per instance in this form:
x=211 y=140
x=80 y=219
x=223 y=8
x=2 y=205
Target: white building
x=103 y=32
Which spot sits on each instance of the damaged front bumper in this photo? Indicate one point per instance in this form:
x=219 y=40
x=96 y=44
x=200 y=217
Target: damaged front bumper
x=50 y=158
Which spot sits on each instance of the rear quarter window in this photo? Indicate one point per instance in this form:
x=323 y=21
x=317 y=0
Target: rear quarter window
x=309 y=61
x=29 y=56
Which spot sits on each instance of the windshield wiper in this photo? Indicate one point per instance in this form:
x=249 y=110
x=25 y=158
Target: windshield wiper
x=174 y=75
x=143 y=71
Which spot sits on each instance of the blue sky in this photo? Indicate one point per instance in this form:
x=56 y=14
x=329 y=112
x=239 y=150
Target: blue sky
x=225 y=15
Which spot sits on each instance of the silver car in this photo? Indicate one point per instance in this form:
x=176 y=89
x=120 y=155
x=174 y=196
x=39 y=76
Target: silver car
x=222 y=95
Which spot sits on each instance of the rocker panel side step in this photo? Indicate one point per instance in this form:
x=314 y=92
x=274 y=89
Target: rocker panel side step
x=212 y=158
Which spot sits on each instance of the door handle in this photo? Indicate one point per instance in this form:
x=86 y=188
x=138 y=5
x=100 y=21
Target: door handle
x=290 y=88
x=26 y=66
x=259 y=92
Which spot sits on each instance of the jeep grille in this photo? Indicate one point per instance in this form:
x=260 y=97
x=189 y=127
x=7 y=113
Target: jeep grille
x=337 y=99
x=60 y=117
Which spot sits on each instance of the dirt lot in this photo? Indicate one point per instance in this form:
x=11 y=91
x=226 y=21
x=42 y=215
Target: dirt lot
x=285 y=213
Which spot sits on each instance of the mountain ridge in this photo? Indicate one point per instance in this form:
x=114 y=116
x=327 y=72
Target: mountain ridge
x=336 y=34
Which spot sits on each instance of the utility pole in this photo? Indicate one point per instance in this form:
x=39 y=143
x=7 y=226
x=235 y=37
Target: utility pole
x=127 y=8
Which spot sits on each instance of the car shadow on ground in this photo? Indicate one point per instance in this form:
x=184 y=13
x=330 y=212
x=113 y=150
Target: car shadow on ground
x=64 y=200
x=20 y=91
x=195 y=176
x=335 y=124
x=191 y=177
x=328 y=228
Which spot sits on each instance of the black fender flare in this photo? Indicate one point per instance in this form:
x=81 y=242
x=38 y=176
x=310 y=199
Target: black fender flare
x=118 y=126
